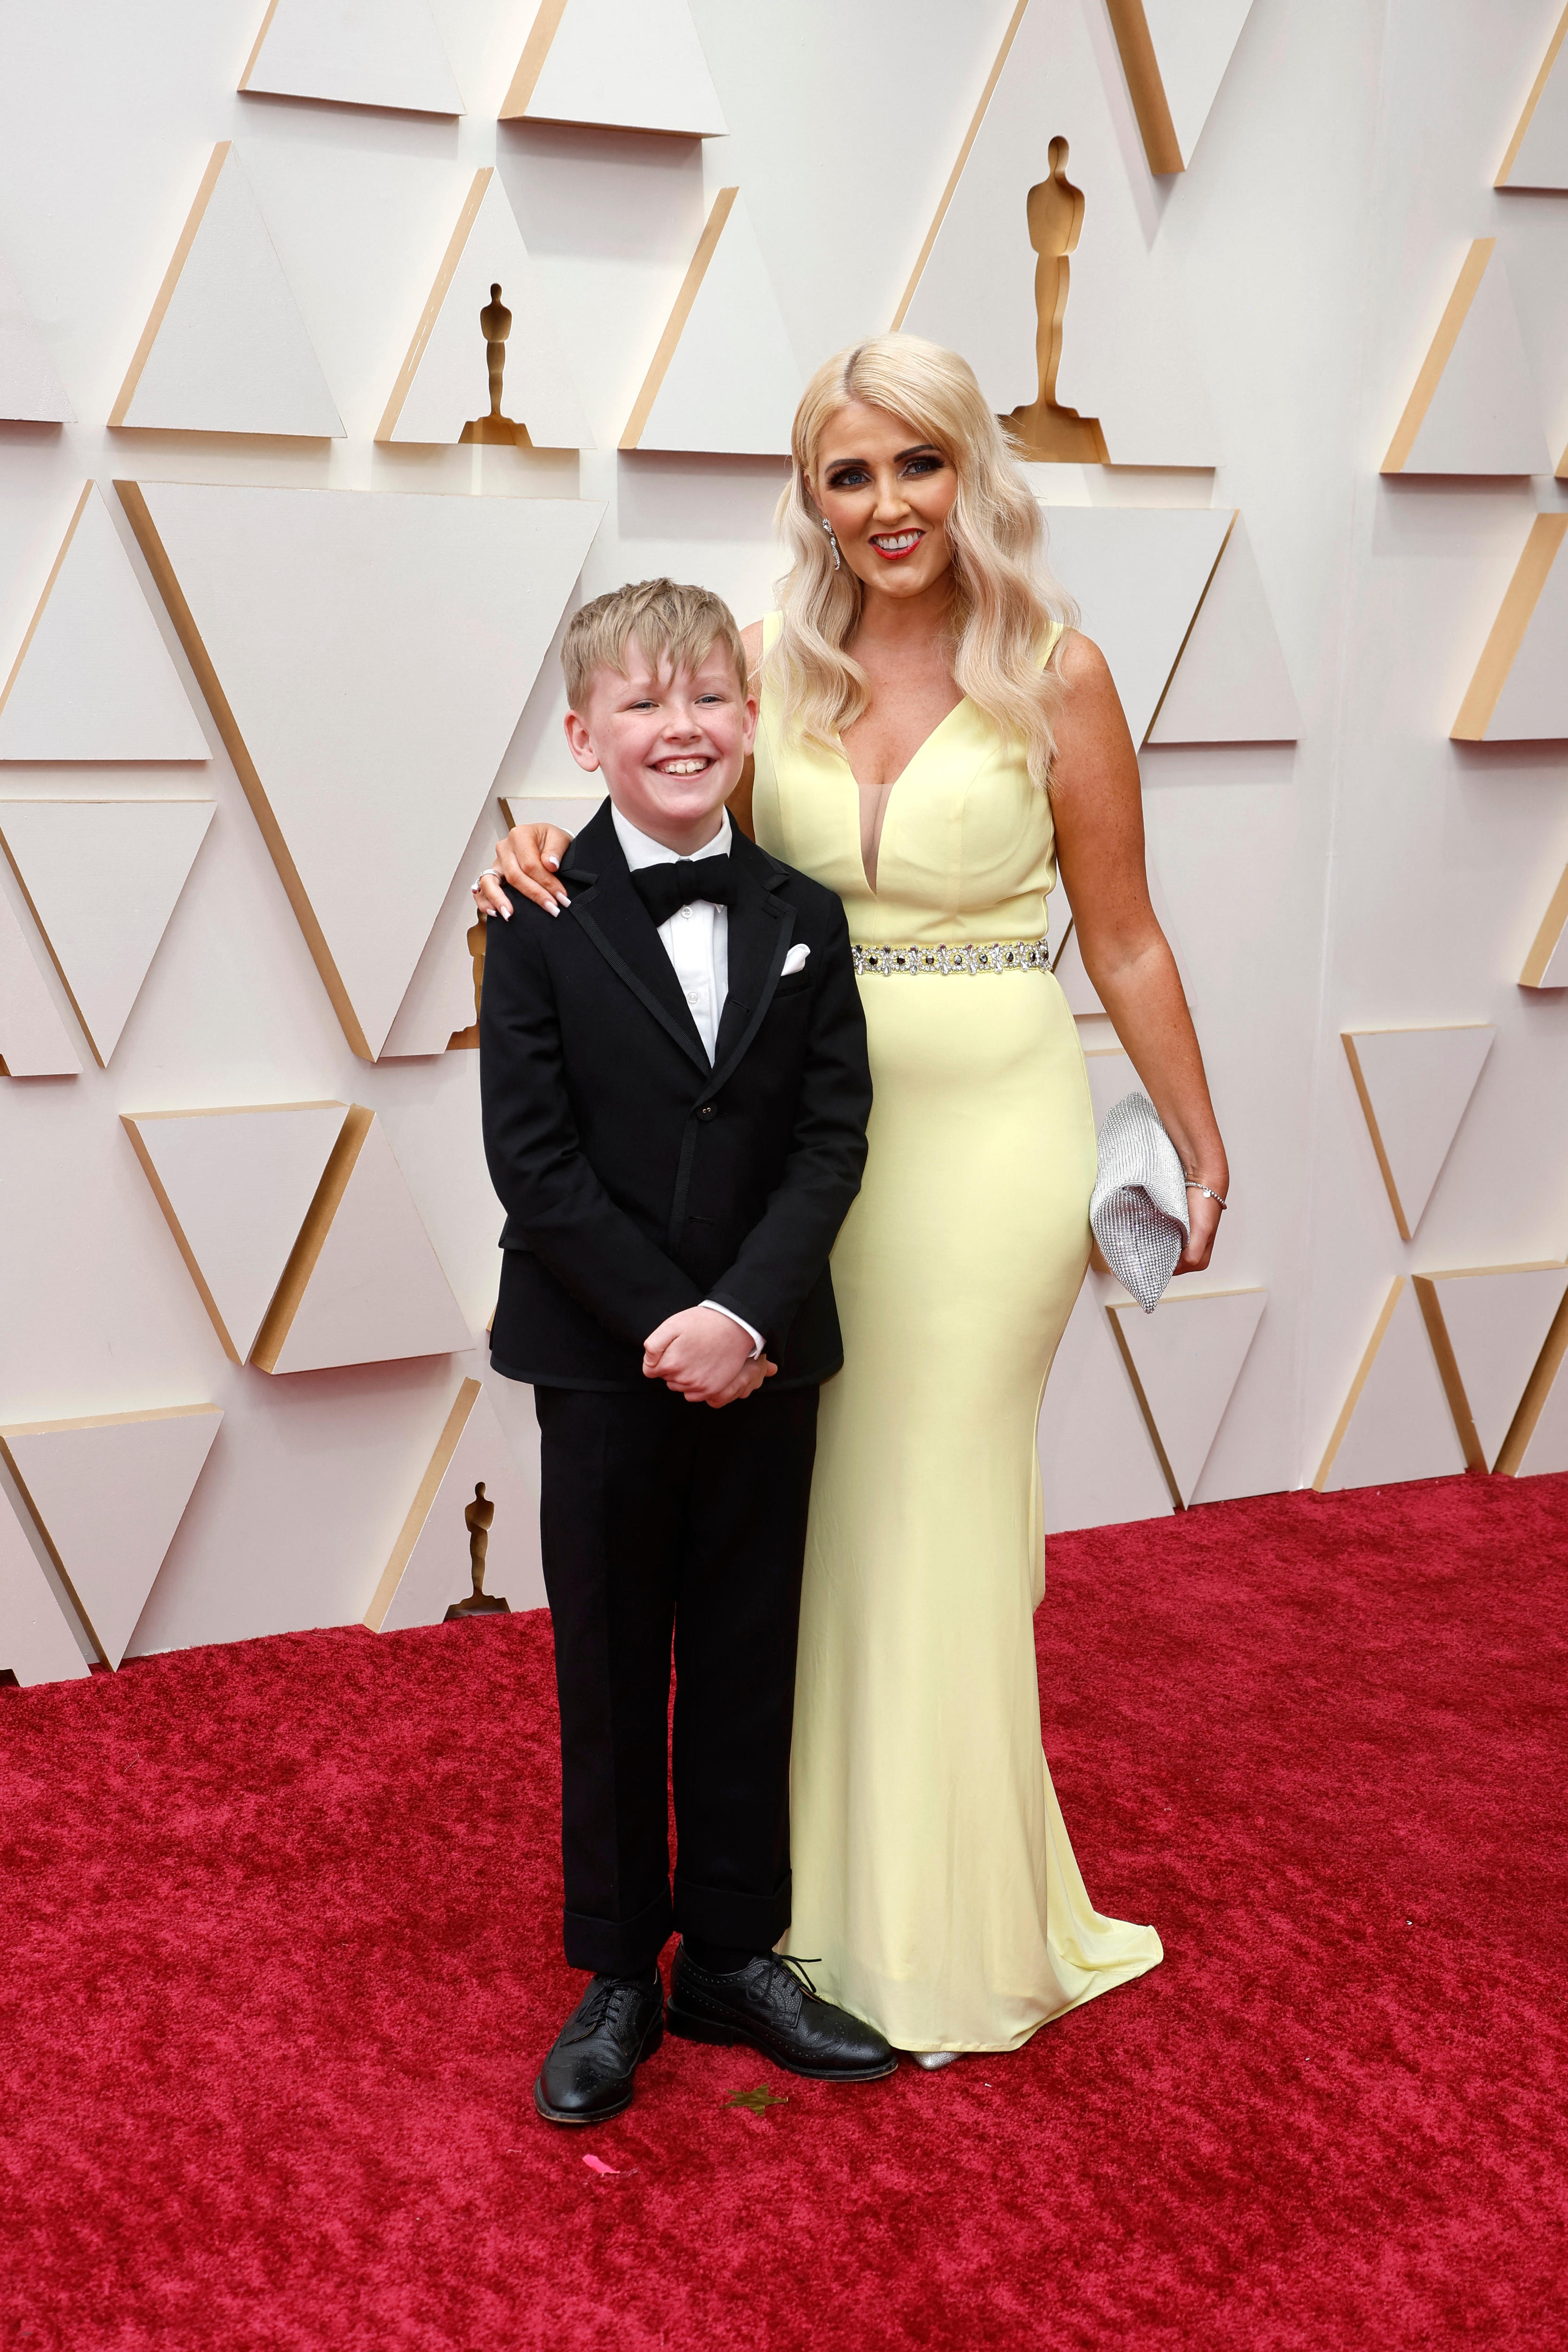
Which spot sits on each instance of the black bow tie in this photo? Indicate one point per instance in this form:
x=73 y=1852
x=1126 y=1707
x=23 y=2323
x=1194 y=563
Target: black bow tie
x=663 y=888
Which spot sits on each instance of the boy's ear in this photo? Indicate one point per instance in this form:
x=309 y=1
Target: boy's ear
x=580 y=744
x=749 y=735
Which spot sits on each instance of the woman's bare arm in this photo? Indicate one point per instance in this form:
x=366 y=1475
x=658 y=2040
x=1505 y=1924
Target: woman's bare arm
x=1097 y=801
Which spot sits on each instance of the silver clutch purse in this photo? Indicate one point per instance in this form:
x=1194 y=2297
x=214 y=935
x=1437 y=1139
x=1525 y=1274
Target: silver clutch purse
x=1139 y=1209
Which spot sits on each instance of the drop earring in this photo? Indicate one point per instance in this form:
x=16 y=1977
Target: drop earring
x=832 y=541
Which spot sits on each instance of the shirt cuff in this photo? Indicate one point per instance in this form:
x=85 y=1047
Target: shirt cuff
x=755 y=1337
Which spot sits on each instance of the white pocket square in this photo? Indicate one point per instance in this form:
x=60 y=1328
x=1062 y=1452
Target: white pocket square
x=794 y=961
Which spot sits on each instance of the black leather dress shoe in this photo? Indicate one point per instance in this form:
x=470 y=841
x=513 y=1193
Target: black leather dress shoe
x=588 y=2075
x=775 y=2009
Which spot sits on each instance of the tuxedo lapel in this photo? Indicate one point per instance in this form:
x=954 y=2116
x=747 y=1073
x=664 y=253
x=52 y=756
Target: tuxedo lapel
x=760 y=928
x=612 y=915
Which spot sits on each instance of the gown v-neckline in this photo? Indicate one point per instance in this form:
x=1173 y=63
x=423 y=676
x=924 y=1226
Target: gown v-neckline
x=922 y=746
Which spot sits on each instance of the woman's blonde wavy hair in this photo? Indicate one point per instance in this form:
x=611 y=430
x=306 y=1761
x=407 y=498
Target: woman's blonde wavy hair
x=1003 y=598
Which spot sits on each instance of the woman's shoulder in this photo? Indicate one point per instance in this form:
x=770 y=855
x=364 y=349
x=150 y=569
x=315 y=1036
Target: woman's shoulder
x=758 y=638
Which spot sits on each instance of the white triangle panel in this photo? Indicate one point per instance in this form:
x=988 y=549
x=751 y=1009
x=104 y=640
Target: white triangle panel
x=30 y=391
x=444 y=383
x=1537 y=153
x=1547 y=1450
x=1188 y=1356
x=1098 y=1467
x=725 y=377
x=1126 y=355
x=430 y=1568
x=1415 y=1087
x=108 y=1494
x=1399 y=1426
x=1193 y=41
x=234 y=1186
x=36 y=1644
x=1137 y=573
x=411 y=630
x=225 y=350
x=354 y=53
x=377 y=1291
x=1546 y=966
x=440 y=1000
x=1533 y=699
x=1475 y=408
x=1496 y=1321
x=34 y=1041
x=626 y=65
x=103 y=943
x=1230 y=684
x=94 y=679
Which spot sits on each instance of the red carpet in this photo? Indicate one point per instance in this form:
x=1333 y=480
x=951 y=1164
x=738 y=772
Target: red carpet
x=277 y=1956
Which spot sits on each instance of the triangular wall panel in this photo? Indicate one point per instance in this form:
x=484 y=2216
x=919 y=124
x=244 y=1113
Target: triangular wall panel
x=1395 y=1424
x=34 y=1041
x=1546 y=965
x=1520 y=691
x=1537 y=155
x=1537 y=1440
x=1184 y=1360
x=36 y=1644
x=444 y=383
x=30 y=391
x=1126 y=358
x=103 y=942
x=1174 y=54
x=625 y=65
x=364 y=1284
x=1475 y=408
x=1230 y=684
x=107 y=1494
x=354 y=53
x=236 y=1186
x=441 y=1001
x=724 y=377
x=430 y=1566
x=1136 y=574
x=92 y=679
x=1098 y=1465
x=1488 y=1326
x=1415 y=1086
x=225 y=349
x=411 y=630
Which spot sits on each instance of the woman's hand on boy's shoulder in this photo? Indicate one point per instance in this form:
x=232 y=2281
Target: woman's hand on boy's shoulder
x=527 y=858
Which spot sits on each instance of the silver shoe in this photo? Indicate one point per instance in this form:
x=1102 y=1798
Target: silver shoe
x=932 y=2059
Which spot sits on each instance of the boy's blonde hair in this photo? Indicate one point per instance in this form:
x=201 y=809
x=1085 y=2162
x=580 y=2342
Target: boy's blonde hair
x=669 y=621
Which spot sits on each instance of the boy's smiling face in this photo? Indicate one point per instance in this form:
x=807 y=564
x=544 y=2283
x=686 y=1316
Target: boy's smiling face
x=670 y=743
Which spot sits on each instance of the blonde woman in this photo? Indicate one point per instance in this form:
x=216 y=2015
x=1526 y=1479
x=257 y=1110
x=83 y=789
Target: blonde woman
x=935 y=740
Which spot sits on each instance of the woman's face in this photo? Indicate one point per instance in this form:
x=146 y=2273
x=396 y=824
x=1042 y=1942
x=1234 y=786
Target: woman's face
x=886 y=492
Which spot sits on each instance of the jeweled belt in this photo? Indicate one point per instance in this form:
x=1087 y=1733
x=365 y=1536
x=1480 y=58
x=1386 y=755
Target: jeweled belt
x=993 y=955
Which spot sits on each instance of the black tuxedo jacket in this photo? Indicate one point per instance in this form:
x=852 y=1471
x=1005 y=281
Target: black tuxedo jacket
x=637 y=1178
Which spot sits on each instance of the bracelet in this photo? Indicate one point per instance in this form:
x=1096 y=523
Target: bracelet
x=1195 y=1187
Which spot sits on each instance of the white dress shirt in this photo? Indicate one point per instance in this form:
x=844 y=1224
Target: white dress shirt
x=696 y=942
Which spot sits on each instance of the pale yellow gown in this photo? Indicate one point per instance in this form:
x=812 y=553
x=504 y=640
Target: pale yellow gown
x=933 y=1877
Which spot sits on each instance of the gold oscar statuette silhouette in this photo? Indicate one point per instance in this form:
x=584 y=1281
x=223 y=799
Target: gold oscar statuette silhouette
x=478 y=1519
x=470 y=1038
x=1043 y=430
x=495 y=325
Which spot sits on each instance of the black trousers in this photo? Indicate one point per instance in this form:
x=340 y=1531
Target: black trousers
x=666 y=1520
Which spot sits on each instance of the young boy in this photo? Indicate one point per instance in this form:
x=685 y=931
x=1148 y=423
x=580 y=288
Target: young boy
x=675 y=1088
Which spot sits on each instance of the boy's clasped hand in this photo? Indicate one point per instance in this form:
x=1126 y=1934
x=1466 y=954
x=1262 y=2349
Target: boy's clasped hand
x=705 y=1358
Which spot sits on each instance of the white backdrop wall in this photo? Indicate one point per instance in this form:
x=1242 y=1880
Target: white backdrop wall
x=1371 y=874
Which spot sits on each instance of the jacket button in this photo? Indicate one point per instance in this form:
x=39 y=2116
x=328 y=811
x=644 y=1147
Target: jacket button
x=708 y=1110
